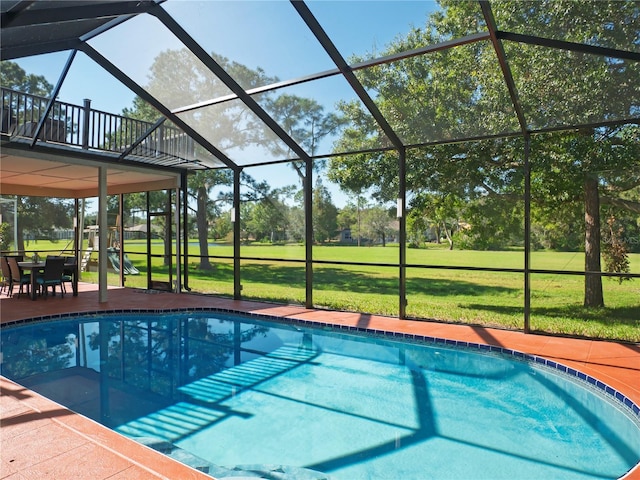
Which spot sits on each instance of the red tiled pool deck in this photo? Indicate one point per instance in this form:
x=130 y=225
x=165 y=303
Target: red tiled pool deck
x=41 y=439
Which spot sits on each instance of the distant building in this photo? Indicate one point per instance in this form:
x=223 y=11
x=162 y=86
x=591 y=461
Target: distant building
x=345 y=236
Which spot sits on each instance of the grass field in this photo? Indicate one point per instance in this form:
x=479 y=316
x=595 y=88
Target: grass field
x=452 y=295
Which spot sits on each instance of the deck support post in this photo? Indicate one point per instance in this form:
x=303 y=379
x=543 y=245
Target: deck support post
x=103 y=231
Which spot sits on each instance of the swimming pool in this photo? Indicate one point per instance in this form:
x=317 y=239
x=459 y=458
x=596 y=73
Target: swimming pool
x=223 y=392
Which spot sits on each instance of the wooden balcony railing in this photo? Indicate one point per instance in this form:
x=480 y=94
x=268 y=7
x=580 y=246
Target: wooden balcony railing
x=89 y=129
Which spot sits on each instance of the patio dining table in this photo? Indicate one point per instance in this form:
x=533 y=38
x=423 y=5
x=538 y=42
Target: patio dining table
x=35 y=267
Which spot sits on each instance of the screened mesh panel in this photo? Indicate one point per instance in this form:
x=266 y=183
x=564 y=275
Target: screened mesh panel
x=424 y=102
x=236 y=131
x=378 y=25
x=266 y=36
x=562 y=88
x=313 y=113
x=610 y=24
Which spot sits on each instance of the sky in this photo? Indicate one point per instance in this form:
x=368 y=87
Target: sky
x=260 y=33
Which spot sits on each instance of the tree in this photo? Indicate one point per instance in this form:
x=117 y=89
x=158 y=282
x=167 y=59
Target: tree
x=325 y=214
x=222 y=225
x=351 y=217
x=348 y=219
x=177 y=78
x=15 y=77
x=5 y=236
x=200 y=186
x=267 y=219
x=467 y=96
x=615 y=250
x=442 y=212
x=592 y=168
x=41 y=215
x=306 y=122
x=376 y=224
x=228 y=125
x=579 y=88
x=296 y=230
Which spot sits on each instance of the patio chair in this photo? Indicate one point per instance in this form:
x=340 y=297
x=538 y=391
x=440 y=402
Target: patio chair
x=51 y=276
x=6 y=276
x=17 y=277
x=67 y=274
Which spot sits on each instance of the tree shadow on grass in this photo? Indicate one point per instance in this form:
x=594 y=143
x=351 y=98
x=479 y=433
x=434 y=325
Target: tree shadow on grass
x=581 y=319
x=606 y=316
x=366 y=282
x=357 y=281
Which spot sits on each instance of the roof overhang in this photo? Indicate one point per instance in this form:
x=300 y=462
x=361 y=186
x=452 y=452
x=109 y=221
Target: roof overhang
x=51 y=173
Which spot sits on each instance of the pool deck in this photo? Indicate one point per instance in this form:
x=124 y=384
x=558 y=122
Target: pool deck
x=40 y=438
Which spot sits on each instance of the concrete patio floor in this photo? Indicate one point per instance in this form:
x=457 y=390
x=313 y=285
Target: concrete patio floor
x=39 y=438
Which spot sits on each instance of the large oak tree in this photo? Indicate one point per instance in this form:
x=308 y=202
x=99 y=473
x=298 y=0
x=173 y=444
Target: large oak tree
x=460 y=93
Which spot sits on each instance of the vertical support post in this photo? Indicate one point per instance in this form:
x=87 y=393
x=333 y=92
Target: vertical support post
x=185 y=231
x=402 y=241
x=235 y=218
x=77 y=230
x=120 y=230
x=160 y=141
x=86 y=123
x=308 y=231
x=149 y=282
x=15 y=224
x=76 y=210
x=527 y=234
x=77 y=247
x=103 y=230
x=168 y=242
x=178 y=257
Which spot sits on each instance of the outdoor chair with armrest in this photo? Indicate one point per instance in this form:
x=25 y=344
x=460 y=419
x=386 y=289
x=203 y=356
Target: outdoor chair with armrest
x=52 y=275
x=68 y=272
x=6 y=276
x=17 y=277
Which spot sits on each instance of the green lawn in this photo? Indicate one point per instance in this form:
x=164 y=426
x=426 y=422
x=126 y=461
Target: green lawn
x=476 y=297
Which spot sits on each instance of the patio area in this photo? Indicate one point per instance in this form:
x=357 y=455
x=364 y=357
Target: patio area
x=41 y=438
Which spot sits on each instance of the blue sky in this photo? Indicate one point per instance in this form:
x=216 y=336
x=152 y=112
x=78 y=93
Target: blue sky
x=266 y=34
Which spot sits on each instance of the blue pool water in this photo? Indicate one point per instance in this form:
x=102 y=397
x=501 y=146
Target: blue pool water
x=242 y=397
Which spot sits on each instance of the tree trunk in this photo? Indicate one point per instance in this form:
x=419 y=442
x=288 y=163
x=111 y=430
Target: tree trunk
x=359 y=222
x=448 y=235
x=592 y=283
x=203 y=230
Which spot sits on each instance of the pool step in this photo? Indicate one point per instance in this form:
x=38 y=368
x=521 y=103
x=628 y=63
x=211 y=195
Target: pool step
x=177 y=453
x=270 y=472
x=267 y=472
